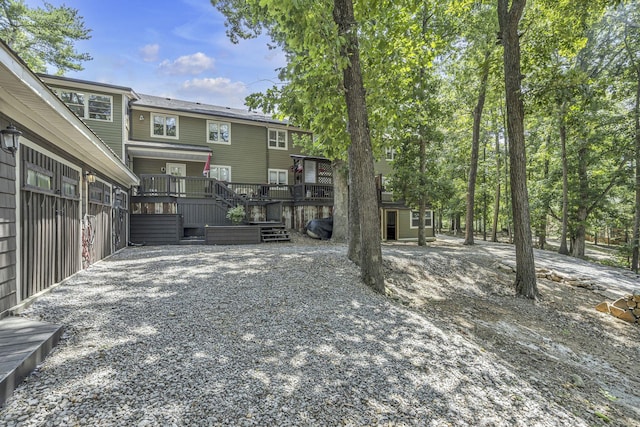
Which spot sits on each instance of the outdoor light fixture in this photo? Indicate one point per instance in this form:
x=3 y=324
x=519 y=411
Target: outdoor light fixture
x=91 y=177
x=10 y=139
x=141 y=117
x=117 y=191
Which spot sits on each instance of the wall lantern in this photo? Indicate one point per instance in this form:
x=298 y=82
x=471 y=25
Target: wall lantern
x=141 y=117
x=10 y=139
x=117 y=191
x=91 y=177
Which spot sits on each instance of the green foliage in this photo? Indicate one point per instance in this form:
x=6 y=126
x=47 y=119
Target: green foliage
x=236 y=214
x=43 y=36
x=422 y=63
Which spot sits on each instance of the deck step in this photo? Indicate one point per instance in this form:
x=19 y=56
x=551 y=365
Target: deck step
x=25 y=343
x=192 y=241
x=274 y=233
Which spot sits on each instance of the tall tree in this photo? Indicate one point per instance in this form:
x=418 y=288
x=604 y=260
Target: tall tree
x=363 y=174
x=509 y=15
x=324 y=85
x=475 y=148
x=44 y=36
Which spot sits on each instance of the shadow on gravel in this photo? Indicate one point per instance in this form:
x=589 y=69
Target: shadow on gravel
x=264 y=336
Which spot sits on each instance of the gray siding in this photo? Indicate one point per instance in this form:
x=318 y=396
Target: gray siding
x=156 y=229
x=248 y=154
x=7 y=232
x=110 y=132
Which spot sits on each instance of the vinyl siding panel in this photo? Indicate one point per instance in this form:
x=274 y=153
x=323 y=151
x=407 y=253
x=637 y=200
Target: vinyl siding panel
x=110 y=132
x=248 y=154
x=383 y=167
x=154 y=166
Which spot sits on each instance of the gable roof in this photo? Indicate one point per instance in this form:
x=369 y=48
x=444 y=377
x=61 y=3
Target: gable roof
x=86 y=84
x=31 y=104
x=163 y=103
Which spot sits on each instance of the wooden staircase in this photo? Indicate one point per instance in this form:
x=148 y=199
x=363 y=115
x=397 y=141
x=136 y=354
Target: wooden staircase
x=274 y=233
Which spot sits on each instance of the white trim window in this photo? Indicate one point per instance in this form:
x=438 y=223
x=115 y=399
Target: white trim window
x=390 y=154
x=428 y=219
x=221 y=173
x=164 y=126
x=88 y=105
x=278 y=176
x=277 y=139
x=218 y=132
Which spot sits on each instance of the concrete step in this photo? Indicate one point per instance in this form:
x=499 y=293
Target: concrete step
x=24 y=343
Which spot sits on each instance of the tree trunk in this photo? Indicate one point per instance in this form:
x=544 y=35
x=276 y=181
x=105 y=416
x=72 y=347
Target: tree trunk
x=636 y=221
x=509 y=18
x=475 y=146
x=340 y=201
x=355 y=241
x=422 y=205
x=583 y=198
x=565 y=183
x=363 y=174
x=542 y=223
x=496 y=202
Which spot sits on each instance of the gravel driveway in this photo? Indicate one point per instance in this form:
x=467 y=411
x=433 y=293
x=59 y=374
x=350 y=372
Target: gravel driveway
x=277 y=334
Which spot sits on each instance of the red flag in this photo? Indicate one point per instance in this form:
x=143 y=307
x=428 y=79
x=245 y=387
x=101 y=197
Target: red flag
x=207 y=166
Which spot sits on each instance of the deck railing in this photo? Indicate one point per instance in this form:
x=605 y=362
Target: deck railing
x=231 y=192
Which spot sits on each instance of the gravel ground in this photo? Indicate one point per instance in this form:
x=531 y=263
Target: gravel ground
x=277 y=334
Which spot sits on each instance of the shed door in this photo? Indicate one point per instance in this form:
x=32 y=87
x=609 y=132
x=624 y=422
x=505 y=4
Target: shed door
x=392 y=220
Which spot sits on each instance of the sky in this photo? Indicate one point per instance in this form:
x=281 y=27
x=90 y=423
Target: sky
x=171 y=48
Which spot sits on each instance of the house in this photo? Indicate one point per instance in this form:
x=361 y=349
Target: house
x=63 y=190
x=397 y=220
x=250 y=159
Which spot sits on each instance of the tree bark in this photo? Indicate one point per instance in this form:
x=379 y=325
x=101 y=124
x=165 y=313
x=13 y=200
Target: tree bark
x=583 y=198
x=636 y=222
x=422 y=205
x=496 y=202
x=509 y=18
x=565 y=182
x=542 y=223
x=355 y=242
x=475 y=146
x=363 y=175
x=340 y=201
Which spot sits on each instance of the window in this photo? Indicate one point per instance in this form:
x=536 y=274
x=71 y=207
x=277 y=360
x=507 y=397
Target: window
x=218 y=132
x=221 y=173
x=390 y=154
x=278 y=176
x=39 y=179
x=88 y=105
x=69 y=188
x=100 y=107
x=427 y=219
x=75 y=101
x=278 y=139
x=164 y=126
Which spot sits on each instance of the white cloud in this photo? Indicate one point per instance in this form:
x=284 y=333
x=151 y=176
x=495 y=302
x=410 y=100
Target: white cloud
x=150 y=52
x=217 y=91
x=217 y=85
x=188 y=64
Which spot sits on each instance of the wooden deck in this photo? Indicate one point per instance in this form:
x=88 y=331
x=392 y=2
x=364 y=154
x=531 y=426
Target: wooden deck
x=24 y=344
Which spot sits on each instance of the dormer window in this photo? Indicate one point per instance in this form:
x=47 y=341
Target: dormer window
x=88 y=105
